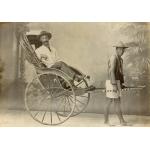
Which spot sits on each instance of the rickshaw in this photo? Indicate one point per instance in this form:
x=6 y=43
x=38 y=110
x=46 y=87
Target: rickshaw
x=50 y=98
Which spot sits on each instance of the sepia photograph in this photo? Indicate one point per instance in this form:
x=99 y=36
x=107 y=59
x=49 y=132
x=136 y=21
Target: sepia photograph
x=74 y=74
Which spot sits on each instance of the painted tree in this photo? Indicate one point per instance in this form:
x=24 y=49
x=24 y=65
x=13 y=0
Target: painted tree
x=137 y=58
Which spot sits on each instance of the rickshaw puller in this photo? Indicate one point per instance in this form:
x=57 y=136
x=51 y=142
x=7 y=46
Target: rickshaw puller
x=115 y=83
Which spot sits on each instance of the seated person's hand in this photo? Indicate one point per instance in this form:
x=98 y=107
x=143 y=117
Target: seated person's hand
x=43 y=57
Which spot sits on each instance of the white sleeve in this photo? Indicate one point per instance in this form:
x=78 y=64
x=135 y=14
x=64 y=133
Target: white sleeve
x=57 y=58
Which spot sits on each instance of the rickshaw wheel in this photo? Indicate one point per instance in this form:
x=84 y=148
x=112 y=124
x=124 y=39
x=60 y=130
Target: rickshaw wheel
x=47 y=98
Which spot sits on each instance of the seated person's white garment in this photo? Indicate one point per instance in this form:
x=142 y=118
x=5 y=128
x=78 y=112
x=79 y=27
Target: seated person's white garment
x=48 y=56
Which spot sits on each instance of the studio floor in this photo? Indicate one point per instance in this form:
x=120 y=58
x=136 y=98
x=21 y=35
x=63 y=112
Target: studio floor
x=19 y=118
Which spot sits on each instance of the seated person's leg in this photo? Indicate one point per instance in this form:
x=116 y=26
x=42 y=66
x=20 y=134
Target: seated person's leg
x=65 y=68
x=72 y=73
x=57 y=65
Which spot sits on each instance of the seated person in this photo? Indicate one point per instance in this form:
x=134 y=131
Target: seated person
x=48 y=55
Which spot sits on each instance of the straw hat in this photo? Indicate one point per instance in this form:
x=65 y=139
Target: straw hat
x=45 y=33
x=120 y=44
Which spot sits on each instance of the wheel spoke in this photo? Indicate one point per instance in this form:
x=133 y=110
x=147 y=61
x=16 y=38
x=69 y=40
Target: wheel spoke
x=44 y=98
x=62 y=93
x=62 y=82
x=50 y=91
x=59 y=98
x=76 y=107
x=61 y=104
x=44 y=116
x=43 y=91
x=58 y=116
x=80 y=102
x=49 y=81
x=51 y=117
x=83 y=96
x=65 y=106
x=35 y=114
x=69 y=103
x=70 y=97
x=55 y=90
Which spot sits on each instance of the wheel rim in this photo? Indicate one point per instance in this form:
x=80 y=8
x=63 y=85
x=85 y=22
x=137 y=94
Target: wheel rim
x=45 y=102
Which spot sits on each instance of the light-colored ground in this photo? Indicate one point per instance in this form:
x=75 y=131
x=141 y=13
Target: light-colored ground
x=11 y=118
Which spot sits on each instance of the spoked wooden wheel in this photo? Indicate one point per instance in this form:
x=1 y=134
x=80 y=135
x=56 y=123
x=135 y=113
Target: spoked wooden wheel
x=47 y=98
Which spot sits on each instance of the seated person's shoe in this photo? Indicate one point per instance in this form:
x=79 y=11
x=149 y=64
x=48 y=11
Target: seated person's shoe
x=78 y=78
x=73 y=86
x=88 y=77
